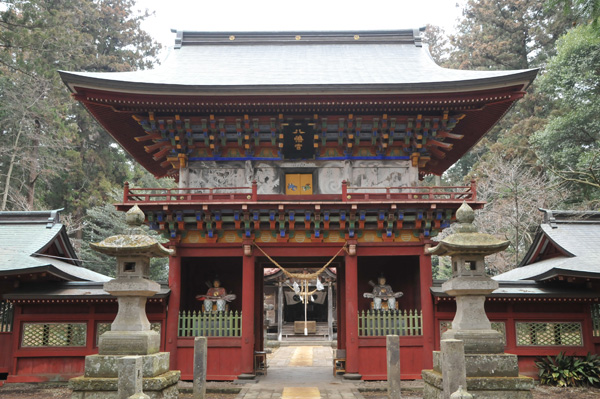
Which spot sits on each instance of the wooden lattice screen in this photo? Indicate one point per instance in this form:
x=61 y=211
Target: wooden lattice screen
x=54 y=334
x=549 y=334
x=6 y=316
x=596 y=319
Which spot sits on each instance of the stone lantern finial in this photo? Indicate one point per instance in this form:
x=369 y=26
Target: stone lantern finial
x=135 y=217
x=465 y=217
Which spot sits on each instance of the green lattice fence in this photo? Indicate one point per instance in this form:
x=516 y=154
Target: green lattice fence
x=499 y=326
x=377 y=323
x=101 y=328
x=6 y=316
x=219 y=324
x=596 y=319
x=549 y=334
x=54 y=334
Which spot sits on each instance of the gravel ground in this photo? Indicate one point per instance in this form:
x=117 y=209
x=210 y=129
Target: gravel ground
x=215 y=390
x=227 y=390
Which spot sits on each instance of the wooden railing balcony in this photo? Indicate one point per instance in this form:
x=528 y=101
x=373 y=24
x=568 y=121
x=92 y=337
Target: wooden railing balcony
x=250 y=194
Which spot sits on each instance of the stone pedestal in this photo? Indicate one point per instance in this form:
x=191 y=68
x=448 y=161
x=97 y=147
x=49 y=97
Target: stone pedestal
x=101 y=377
x=489 y=376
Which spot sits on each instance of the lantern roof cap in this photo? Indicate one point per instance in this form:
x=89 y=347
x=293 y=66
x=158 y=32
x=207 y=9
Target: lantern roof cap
x=467 y=240
x=134 y=241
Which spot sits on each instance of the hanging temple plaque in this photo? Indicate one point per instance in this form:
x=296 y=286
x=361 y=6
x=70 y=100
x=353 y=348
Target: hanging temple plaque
x=298 y=141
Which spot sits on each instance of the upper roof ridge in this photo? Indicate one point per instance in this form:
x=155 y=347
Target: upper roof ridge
x=197 y=38
x=553 y=216
x=49 y=217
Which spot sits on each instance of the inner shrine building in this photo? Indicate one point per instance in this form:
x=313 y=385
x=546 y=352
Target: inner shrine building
x=292 y=152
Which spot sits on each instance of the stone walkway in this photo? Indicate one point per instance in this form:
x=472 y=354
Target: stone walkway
x=301 y=372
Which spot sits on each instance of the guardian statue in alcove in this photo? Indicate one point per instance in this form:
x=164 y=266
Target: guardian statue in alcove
x=382 y=292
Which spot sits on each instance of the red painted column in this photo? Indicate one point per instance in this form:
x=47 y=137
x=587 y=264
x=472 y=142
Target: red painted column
x=425 y=280
x=351 y=285
x=247 y=358
x=173 y=309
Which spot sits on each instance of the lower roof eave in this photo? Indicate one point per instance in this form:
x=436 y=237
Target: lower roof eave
x=76 y=82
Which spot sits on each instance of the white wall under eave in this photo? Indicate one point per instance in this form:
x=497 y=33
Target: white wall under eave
x=328 y=175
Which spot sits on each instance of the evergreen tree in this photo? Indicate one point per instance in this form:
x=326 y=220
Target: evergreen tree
x=569 y=146
x=55 y=154
x=103 y=221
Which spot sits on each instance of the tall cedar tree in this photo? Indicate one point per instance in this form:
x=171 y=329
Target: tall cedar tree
x=508 y=34
x=569 y=146
x=55 y=154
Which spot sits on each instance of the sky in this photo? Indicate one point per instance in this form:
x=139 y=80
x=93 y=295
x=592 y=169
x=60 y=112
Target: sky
x=282 y=15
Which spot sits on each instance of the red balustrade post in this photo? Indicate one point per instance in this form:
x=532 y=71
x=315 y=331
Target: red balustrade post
x=126 y=192
x=473 y=190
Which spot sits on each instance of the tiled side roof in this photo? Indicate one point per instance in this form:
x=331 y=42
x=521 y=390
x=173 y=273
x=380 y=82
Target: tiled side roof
x=23 y=236
x=70 y=290
x=578 y=235
x=527 y=288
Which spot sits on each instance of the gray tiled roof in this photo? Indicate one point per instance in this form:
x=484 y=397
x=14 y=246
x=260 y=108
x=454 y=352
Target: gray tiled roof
x=528 y=288
x=24 y=236
x=392 y=64
x=69 y=290
x=579 y=239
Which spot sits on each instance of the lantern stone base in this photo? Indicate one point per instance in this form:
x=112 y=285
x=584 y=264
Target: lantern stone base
x=129 y=343
x=478 y=341
x=100 y=380
x=489 y=376
x=106 y=366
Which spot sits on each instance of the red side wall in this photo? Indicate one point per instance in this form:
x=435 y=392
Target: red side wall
x=60 y=364
x=5 y=351
x=519 y=310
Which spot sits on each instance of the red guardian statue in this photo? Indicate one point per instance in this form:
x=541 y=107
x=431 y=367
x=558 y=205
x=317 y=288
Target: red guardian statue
x=215 y=294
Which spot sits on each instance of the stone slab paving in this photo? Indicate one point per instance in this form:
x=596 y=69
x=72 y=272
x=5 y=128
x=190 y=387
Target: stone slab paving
x=302 y=372
x=302 y=357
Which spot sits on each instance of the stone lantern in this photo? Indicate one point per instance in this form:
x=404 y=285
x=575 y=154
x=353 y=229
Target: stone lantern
x=130 y=333
x=489 y=371
x=469 y=284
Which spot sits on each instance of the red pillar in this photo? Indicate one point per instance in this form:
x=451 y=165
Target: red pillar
x=248 y=275
x=425 y=280
x=351 y=285
x=173 y=309
x=341 y=308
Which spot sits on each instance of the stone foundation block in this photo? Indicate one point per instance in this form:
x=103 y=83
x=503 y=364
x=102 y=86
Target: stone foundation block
x=160 y=387
x=485 y=365
x=105 y=366
x=129 y=343
x=481 y=387
x=478 y=341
